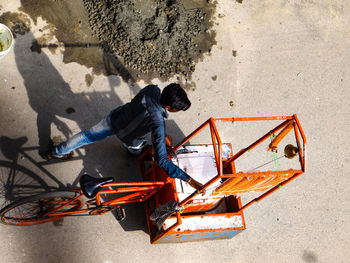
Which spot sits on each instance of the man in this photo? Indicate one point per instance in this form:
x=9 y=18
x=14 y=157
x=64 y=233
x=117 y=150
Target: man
x=132 y=122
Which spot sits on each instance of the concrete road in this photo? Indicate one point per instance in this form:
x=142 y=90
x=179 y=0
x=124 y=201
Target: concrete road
x=272 y=57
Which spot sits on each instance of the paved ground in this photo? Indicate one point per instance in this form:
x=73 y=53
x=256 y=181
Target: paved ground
x=291 y=57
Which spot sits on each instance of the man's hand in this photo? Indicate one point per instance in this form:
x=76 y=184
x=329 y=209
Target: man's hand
x=196 y=185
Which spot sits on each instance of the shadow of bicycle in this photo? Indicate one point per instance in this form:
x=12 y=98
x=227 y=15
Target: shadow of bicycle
x=17 y=181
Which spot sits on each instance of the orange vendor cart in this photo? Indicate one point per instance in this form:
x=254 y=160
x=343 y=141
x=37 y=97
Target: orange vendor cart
x=216 y=211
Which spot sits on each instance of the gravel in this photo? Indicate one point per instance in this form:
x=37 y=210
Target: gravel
x=166 y=37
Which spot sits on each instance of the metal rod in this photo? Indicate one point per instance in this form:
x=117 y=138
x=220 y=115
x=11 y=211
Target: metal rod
x=256 y=143
x=265 y=164
x=272 y=118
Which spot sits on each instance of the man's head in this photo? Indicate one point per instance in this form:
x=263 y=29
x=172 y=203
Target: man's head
x=174 y=98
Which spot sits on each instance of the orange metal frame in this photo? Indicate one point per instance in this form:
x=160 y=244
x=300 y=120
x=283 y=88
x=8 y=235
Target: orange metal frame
x=218 y=154
x=138 y=192
x=221 y=164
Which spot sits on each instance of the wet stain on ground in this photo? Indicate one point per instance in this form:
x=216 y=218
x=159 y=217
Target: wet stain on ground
x=68 y=22
x=52 y=49
x=17 y=22
x=70 y=110
x=185 y=83
x=155 y=51
x=44 y=40
x=35 y=47
x=89 y=79
x=309 y=257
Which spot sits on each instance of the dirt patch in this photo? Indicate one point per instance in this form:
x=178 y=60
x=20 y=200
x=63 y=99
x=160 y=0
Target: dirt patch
x=68 y=22
x=17 y=22
x=89 y=79
x=136 y=39
x=165 y=37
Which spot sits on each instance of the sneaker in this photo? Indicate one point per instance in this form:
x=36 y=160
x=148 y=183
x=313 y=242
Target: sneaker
x=136 y=151
x=49 y=156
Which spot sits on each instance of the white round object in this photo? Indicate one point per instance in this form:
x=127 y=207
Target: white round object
x=6 y=40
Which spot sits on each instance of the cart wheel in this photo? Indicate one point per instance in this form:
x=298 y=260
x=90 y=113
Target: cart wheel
x=120 y=213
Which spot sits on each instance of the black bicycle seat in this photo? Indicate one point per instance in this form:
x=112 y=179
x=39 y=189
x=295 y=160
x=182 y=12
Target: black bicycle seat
x=91 y=185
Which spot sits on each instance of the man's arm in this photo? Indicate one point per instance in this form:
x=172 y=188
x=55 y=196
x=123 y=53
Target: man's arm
x=161 y=156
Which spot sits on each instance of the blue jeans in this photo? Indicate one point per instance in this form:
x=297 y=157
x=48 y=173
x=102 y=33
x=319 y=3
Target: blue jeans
x=100 y=131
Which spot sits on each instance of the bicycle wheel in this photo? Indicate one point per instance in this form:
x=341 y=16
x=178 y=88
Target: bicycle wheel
x=33 y=210
x=17 y=182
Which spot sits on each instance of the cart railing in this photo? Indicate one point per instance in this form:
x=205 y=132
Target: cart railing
x=240 y=182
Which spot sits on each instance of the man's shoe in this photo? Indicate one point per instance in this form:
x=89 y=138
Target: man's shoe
x=136 y=151
x=49 y=156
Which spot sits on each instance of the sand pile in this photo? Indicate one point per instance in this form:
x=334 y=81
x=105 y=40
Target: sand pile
x=161 y=36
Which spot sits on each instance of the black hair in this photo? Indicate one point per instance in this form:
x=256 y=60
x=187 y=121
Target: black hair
x=175 y=97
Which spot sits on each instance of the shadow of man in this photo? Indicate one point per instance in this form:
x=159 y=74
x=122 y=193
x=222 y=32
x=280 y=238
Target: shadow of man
x=51 y=97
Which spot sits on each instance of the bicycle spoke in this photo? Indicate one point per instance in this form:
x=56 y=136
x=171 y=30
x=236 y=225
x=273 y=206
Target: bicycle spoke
x=17 y=182
x=36 y=209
